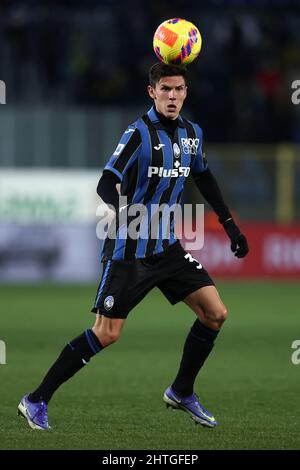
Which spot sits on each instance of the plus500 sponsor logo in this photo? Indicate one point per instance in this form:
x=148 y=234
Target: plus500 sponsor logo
x=168 y=173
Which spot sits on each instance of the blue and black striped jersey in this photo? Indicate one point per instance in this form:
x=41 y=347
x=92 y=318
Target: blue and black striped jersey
x=152 y=166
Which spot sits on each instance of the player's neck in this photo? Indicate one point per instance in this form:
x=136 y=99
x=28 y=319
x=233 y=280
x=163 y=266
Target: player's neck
x=169 y=124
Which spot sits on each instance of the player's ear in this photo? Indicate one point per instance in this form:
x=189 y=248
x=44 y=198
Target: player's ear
x=151 y=92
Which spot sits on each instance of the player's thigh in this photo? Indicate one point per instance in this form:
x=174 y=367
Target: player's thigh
x=181 y=275
x=206 y=302
x=123 y=285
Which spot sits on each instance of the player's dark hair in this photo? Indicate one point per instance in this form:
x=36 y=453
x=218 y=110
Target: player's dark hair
x=161 y=70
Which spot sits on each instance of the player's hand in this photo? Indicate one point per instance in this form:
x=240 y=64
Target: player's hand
x=239 y=244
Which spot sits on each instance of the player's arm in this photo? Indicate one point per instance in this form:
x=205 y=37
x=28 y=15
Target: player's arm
x=123 y=157
x=107 y=189
x=210 y=190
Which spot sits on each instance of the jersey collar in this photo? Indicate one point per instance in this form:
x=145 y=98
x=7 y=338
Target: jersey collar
x=157 y=123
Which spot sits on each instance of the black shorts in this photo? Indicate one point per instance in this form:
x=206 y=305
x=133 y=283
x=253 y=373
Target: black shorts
x=125 y=283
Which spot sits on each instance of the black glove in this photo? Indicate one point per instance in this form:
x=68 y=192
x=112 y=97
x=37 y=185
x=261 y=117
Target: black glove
x=239 y=244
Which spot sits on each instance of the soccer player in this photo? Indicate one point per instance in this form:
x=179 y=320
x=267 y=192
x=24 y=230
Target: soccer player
x=151 y=164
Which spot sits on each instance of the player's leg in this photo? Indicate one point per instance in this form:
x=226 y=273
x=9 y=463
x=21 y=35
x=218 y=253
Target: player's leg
x=115 y=298
x=186 y=280
x=211 y=314
x=208 y=306
x=75 y=355
x=107 y=330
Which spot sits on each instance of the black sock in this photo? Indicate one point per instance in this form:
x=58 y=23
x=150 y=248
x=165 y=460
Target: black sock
x=197 y=347
x=73 y=357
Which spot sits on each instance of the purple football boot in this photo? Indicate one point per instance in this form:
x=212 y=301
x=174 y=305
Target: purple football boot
x=35 y=413
x=191 y=405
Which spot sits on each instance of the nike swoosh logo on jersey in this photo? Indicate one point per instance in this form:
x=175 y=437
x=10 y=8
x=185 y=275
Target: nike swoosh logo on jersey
x=129 y=130
x=159 y=146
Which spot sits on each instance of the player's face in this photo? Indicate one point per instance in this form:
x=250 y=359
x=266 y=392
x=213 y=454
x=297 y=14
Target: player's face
x=169 y=95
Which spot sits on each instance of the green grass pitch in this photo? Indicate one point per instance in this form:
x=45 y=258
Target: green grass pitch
x=249 y=381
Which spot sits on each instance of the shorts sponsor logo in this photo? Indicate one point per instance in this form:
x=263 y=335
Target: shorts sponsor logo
x=109 y=302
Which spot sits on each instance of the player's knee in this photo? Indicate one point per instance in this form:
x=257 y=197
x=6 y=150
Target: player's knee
x=224 y=314
x=218 y=315
x=110 y=338
x=105 y=337
x=221 y=315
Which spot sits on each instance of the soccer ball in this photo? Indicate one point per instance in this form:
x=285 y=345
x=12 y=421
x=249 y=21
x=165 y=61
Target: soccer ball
x=177 y=42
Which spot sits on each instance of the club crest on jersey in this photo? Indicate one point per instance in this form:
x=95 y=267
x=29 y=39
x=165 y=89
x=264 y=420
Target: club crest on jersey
x=176 y=150
x=109 y=302
x=190 y=145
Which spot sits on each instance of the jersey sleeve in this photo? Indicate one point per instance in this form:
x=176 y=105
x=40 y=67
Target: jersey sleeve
x=127 y=151
x=200 y=163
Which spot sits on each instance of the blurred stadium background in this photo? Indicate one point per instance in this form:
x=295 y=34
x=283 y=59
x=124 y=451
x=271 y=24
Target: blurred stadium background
x=76 y=75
